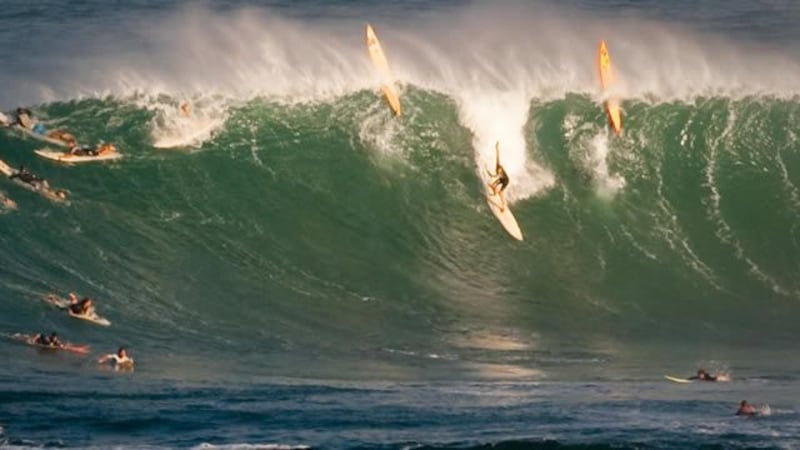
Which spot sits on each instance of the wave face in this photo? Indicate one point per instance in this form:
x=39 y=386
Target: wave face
x=332 y=230
x=305 y=231
x=305 y=271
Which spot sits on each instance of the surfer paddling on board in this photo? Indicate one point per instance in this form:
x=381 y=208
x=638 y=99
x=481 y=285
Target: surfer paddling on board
x=26 y=120
x=702 y=375
x=103 y=149
x=498 y=181
x=38 y=183
x=71 y=297
x=118 y=360
x=83 y=307
x=47 y=341
x=26 y=176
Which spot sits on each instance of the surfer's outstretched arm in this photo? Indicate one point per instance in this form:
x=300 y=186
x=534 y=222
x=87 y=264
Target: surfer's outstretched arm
x=497 y=155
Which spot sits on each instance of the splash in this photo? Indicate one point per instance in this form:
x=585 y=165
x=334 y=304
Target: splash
x=607 y=185
x=185 y=123
x=492 y=72
x=497 y=118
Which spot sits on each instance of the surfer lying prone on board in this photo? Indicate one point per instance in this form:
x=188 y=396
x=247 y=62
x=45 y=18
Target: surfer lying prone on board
x=92 y=151
x=702 y=375
x=26 y=120
x=83 y=307
x=499 y=179
x=47 y=341
x=35 y=181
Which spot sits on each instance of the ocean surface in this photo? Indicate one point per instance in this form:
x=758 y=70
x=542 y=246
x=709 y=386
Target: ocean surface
x=304 y=270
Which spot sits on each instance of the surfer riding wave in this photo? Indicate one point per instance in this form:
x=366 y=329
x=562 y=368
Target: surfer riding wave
x=498 y=181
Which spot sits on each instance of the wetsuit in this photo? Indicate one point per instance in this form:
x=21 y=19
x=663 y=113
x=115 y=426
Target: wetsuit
x=84 y=151
x=27 y=177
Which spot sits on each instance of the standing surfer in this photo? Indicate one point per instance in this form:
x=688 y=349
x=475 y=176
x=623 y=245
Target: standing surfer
x=499 y=180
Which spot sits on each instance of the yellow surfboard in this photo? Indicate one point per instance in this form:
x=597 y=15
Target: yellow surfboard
x=379 y=60
x=606 y=80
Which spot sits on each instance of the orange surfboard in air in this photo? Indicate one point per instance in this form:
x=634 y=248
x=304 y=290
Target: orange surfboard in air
x=379 y=61
x=606 y=80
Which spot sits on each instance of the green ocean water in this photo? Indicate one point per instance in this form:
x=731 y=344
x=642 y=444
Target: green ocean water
x=304 y=270
x=329 y=230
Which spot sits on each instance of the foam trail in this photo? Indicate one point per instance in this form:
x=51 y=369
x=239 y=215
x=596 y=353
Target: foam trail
x=172 y=128
x=499 y=117
x=607 y=185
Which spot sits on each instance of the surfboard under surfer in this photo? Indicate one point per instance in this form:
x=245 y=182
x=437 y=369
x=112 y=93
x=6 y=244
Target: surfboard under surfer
x=35 y=181
x=24 y=119
x=99 y=150
x=498 y=181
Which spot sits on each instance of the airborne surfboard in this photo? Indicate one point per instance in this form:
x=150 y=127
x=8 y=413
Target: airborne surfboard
x=606 y=80
x=379 y=61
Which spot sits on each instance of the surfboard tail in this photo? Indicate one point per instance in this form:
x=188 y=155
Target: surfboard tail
x=390 y=94
x=614 y=117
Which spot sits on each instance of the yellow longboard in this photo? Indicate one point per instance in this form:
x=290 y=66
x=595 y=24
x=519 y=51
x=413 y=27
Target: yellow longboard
x=379 y=60
x=606 y=80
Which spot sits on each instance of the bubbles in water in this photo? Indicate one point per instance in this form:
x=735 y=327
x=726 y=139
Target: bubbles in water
x=607 y=185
